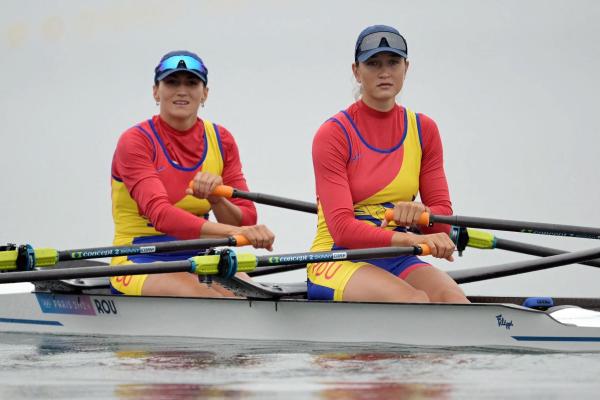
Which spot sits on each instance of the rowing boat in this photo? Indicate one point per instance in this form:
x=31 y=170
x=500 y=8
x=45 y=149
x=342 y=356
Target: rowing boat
x=492 y=323
x=77 y=301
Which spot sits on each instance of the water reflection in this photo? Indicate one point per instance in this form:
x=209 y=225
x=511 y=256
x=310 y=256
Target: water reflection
x=179 y=368
x=387 y=363
x=44 y=366
x=325 y=391
x=183 y=359
x=387 y=390
x=381 y=366
x=175 y=392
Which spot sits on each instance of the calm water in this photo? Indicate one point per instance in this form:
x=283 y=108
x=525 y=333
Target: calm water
x=66 y=367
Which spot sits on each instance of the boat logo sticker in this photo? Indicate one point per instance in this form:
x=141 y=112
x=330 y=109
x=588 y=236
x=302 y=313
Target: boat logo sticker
x=503 y=322
x=77 y=305
x=113 y=252
x=316 y=257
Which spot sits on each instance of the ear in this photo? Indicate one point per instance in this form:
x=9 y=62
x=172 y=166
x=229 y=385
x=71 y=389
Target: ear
x=407 y=64
x=205 y=90
x=355 y=72
x=155 y=93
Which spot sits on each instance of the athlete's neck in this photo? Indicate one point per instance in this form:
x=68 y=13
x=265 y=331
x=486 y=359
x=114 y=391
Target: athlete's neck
x=379 y=105
x=179 y=124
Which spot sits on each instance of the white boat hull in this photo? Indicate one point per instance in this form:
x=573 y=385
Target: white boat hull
x=439 y=325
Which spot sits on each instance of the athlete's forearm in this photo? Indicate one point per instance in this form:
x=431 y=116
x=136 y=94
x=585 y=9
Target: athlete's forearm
x=226 y=212
x=174 y=221
x=402 y=239
x=217 y=230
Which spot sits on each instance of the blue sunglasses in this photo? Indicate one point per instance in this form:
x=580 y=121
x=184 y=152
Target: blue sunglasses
x=183 y=63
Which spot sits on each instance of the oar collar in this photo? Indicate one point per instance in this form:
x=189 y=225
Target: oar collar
x=25 y=258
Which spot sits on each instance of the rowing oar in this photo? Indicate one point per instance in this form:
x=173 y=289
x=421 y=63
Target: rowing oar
x=426 y=218
x=538 y=228
x=259 y=272
x=225 y=264
x=25 y=257
x=229 y=192
x=485 y=240
x=520 y=267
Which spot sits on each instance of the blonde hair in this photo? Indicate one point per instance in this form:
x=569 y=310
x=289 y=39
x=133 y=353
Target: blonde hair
x=357 y=89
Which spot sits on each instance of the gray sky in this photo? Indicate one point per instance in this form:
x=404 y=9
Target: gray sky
x=513 y=86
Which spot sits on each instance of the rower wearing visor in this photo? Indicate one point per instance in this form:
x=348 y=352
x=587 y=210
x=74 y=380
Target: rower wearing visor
x=153 y=164
x=374 y=156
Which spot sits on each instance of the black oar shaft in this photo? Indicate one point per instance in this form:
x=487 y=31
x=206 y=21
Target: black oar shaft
x=95 y=272
x=518 y=226
x=149 y=248
x=277 y=201
x=534 y=250
x=258 y=272
x=208 y=265
x=275 y=269
x=498 y=271
x=337 y=255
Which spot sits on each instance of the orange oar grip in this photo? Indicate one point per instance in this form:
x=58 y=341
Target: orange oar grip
x=425 y=250
x=223 y=191
x=424 y=219
x=389 y=214
x=241 y=240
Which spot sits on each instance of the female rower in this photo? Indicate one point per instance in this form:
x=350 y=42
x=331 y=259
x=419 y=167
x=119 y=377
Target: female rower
x=152 y=166
x=370 y=157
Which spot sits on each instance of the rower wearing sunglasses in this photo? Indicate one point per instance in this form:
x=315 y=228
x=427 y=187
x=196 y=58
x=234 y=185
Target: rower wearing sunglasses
x=153 y=164
x=373 y=156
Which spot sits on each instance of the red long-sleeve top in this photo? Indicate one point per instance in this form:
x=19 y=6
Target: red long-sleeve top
x=134 y=164
x=337 y=192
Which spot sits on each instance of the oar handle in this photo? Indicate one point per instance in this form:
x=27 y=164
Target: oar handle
x=221 y=190
x=425 y=250
x=424 y=219
x=240 y=240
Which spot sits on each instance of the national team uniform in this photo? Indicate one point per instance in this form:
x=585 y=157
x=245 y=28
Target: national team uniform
x=152 y=167
x=365 y=161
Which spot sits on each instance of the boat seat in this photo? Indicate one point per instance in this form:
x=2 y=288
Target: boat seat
x=87 y=285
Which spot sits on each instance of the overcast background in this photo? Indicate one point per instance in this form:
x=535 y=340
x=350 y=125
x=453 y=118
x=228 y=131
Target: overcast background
x=513 y=86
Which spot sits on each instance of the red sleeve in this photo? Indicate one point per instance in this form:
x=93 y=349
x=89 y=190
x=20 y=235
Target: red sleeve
x=433 y=186
x=234 y=177
x=330 y=153
x=132 y=162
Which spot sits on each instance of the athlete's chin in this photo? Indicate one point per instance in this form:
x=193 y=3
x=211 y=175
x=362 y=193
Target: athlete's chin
x=182 y=112
x=387 y=90
x=385 y=95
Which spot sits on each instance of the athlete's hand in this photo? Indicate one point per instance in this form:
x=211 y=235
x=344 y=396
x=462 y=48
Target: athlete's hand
x=259 y=236
x=407 y=213
x=440 y=244
x=203 y=184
